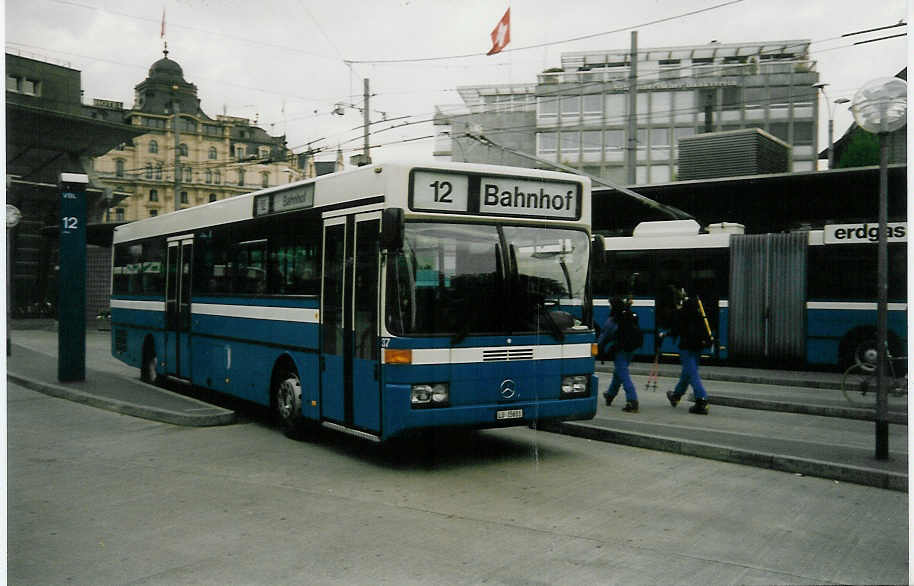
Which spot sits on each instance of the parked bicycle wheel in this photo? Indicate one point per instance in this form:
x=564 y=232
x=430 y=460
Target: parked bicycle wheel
x=859 y=385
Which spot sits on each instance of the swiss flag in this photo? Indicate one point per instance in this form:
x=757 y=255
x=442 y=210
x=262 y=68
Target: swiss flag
x=501 y=35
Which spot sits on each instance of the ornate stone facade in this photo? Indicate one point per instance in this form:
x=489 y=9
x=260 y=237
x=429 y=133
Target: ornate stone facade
x=217 y=157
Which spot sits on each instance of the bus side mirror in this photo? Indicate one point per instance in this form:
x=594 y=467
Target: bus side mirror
x=392 y=229
x=597 y=250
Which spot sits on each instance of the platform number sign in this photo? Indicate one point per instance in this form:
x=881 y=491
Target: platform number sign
x=71 y=364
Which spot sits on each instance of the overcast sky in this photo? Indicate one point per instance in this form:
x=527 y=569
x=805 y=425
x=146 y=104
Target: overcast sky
x=285 y=61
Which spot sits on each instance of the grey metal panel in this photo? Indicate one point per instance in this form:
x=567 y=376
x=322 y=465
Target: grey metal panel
x=749 y=151
x=747 y=296
x=787 y=297
x=768 y=297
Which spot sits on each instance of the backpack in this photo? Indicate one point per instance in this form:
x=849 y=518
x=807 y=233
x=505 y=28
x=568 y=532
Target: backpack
x=630 y=336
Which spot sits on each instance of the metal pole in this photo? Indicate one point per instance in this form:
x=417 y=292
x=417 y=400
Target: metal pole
x=176 y=106
x=366 y=97
x=831 y=142
x=882 y=407
x=631 y=146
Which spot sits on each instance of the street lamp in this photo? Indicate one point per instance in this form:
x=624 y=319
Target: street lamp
x=880 y=107
x=13 y=215
x=830 y=109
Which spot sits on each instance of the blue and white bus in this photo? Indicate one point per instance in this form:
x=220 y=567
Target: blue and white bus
x=791 y=299
x=377 y=301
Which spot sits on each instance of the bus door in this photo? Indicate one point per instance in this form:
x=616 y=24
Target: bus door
x=177 y=306
x=350 y=381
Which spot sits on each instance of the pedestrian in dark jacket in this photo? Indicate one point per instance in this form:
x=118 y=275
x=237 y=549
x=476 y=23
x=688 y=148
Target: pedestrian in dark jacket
x=694 y=334
x=614 y=333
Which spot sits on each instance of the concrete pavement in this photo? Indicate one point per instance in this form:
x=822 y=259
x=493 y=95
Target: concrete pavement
x=791 y=421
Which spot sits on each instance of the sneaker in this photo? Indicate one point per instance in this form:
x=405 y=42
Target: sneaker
x=700 y=407
x=631 y=407
x=608 y=399
x=673 y=398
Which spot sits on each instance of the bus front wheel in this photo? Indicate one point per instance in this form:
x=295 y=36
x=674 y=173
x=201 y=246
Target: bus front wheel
x=287 y=400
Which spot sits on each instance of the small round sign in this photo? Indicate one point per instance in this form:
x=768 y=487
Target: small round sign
x=13 y=215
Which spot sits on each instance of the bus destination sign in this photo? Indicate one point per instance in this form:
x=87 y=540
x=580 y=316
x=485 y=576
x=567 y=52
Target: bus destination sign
x=287 y=200
x=495 y=195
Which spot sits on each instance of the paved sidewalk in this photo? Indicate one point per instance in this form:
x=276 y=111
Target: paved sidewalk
x=792 y=421
x=817 y=434
x=109 y=383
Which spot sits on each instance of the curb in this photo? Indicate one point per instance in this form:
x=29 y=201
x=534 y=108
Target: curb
x=710 y=374
x=809 y=467
x=893 y=417
x=144 y=412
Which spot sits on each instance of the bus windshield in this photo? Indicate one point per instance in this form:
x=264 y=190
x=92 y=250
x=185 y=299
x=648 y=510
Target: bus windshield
x=461 y=279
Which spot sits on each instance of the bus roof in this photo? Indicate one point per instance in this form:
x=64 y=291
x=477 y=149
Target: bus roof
x=388 y=180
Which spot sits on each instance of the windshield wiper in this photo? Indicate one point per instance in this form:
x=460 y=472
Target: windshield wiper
x=550 y=321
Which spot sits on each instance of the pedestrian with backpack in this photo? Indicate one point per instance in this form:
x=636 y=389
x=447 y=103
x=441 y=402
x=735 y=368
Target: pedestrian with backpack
x=622 y=334
x=694 y=332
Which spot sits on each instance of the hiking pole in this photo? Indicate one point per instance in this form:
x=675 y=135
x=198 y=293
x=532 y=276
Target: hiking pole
x=704 y=317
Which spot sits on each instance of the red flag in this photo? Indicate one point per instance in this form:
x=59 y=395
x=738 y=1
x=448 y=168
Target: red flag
x=162 y=34
x=501 y=35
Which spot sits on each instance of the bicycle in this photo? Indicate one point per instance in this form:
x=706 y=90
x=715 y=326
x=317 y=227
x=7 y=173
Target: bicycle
x=859 y=381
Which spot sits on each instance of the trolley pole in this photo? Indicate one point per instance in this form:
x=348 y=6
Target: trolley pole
x=366 y=117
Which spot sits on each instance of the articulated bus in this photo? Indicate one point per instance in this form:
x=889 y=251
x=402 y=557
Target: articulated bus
x=377 y=301
x=791 y=299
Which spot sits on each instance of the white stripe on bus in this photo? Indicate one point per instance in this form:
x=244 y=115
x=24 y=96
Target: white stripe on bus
x=854 y=305
x=133 y=304
x=476 y=355
x=296 y=314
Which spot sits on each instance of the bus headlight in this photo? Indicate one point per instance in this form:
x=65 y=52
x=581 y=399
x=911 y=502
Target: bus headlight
x=430 y=395
x=575 y=385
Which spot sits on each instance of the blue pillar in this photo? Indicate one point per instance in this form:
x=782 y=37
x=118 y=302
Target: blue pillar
x=71 y=279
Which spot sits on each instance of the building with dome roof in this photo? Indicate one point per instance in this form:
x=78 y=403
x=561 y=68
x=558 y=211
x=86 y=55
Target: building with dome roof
x=215 y=158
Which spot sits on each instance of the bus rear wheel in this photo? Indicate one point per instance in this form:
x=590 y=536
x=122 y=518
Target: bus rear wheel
x=287 y=401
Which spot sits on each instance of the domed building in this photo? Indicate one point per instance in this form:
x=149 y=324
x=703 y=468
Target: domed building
x=216 y=157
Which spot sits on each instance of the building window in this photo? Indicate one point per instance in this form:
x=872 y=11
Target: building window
x=12 y=83
x=616 y=107
x=119 y=168
x=571 y=143
x=118 y=214
x=153 y=146
x=591 y=140
x=188 y=175
x=158 y=170
x=547 y=142
x=153 y=195
x=189 y=125
x=182 y=149
x=209 y=176
x=733 y=98
x=779 y=96
x=241 y=177
x=153 y=213
x=217 y=177
x=615 y=140
x=802 y=133
x=148 y=170
x=660 y=137
x=183 y=197
x=264 y=152
x=212 y=153
x=571 y=105
x=212 y=197
x=593 y=104
x=547 y=106
x=670 y=68
x=265 y=179
x=23 y=85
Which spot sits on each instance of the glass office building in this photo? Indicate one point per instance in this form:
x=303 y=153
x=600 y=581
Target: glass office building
x=577 y=114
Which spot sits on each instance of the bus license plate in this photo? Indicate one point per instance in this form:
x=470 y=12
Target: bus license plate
x=509 y=414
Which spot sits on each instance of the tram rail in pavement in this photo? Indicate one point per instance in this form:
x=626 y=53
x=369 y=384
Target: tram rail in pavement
x=790 y=421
